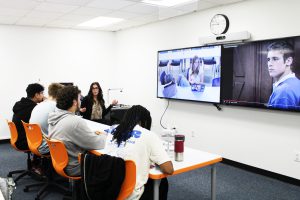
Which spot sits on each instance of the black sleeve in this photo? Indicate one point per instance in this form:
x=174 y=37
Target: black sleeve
x=106 y=110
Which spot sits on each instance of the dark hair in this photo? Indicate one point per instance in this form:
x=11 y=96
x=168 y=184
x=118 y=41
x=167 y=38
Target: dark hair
x=137 y=114
x=99 y=96
x=34 y=88
x=65 y=97
x=284 y=46
x=53 y=89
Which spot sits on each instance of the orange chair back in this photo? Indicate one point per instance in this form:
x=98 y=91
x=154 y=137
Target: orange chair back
x=13 y=134
x=59 y=157
x=34 y=137
x=128 y=184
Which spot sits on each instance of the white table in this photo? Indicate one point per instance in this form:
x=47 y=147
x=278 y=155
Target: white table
x=193 y=159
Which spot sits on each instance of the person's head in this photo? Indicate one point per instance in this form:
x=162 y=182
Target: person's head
x=280 y=59
x=68 y=98
x=35 y=92
x=53 y=89
x=96 y=91
x=137 y=114
x=196 y=62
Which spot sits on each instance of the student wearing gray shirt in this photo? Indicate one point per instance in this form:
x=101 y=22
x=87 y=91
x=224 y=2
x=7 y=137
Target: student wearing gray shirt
x=71 y=129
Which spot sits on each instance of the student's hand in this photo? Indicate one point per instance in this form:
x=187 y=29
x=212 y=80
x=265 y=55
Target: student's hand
x=114 y=102
x=82 y=109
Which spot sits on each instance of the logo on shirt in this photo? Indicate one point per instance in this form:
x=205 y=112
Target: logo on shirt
x=133 y=133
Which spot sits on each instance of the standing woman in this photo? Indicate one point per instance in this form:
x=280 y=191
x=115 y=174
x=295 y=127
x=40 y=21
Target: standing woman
x=93 y=105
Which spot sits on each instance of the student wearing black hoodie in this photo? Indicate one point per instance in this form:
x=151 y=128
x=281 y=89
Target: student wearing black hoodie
x=22 y=111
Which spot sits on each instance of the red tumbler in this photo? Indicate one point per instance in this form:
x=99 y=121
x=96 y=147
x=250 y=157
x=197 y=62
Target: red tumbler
x=179 y=147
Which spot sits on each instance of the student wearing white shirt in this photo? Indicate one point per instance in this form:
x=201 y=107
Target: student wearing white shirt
x=132 y=140
x=40 y=113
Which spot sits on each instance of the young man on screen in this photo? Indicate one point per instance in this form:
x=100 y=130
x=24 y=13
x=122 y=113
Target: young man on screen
x=286 y=87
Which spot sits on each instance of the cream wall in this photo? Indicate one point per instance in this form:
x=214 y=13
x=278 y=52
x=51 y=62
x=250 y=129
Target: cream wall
x=43 y=55
x=127 y=59
x=261 y=138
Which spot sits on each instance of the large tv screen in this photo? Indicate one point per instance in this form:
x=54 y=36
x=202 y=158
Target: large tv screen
x=263 y=74
x=192 y=74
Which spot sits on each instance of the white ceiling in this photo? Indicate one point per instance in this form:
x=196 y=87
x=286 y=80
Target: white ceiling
x=70 y=13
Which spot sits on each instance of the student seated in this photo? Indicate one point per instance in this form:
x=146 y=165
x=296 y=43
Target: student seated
x=132 y=140
x=71 y=129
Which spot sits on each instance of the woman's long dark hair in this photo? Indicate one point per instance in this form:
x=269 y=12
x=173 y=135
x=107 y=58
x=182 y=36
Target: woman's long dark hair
x=99 y=96
x=137 y=114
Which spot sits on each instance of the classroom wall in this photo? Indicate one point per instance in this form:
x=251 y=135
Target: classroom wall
x=46 y=55
x=260 y=138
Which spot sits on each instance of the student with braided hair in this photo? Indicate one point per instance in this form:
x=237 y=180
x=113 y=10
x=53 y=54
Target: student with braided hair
x=133 y=140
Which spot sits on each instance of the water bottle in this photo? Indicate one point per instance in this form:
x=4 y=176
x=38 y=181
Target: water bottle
x=179 y=147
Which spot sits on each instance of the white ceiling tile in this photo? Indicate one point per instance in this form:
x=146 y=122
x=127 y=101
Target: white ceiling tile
x=165 y=13
x=8 y=19
x=70 y=2
x=223 y=2
x=19 y=4
x=89 y=11
x=52 y=7
x=32 y=21
x=141 y=8
x=110 y=4
x=147 y=18
x=13 y=12
x=76 y=18
x=123 y=15
x=61 y=23
x=43 y=15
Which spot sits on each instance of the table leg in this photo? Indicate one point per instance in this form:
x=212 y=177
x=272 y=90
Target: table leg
x=156 y=189
x=213 y=182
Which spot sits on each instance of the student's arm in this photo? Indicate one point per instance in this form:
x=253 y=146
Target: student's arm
x=159 y=156
x=167 y=167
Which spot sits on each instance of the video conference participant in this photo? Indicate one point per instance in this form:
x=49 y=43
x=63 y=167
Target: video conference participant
x=71 y=129
x=196 y=72
x=40 y=113
x=286 y=87
x=22 y=111
x=132 y=140
x=93 y=105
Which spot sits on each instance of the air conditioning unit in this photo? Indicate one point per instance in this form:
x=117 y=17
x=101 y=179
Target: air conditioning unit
x=229 y=38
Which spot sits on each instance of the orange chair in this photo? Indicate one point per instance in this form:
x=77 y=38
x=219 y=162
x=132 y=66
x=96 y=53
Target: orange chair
x=34 y=137
x=128 y=184
x=13 y=140
x=60 y=160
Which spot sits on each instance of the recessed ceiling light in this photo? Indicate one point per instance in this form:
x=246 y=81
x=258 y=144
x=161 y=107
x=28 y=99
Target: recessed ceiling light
x=100 y=22
x=167 y=3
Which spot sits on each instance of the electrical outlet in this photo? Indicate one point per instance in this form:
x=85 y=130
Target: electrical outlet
x=297 y=156
x=193 y=133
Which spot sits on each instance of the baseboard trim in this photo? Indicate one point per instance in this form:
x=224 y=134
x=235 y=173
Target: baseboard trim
x=263 y=172
x=2 y=141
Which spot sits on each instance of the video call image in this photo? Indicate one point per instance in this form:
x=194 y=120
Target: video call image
x=263 y=74
x=190 y=74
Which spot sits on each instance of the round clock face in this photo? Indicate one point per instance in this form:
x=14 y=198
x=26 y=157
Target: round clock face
x=219 y=24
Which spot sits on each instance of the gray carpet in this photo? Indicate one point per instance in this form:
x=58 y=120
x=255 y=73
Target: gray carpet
x=232 y=183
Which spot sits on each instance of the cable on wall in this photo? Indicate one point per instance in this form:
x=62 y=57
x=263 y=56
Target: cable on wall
x=164 y=114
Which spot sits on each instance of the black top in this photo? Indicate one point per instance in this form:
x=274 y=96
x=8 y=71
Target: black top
x=22 y=111
x=88 y=104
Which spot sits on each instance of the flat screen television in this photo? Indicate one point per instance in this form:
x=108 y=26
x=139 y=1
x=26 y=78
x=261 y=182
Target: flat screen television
x=192 y=74
x=262 y=74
